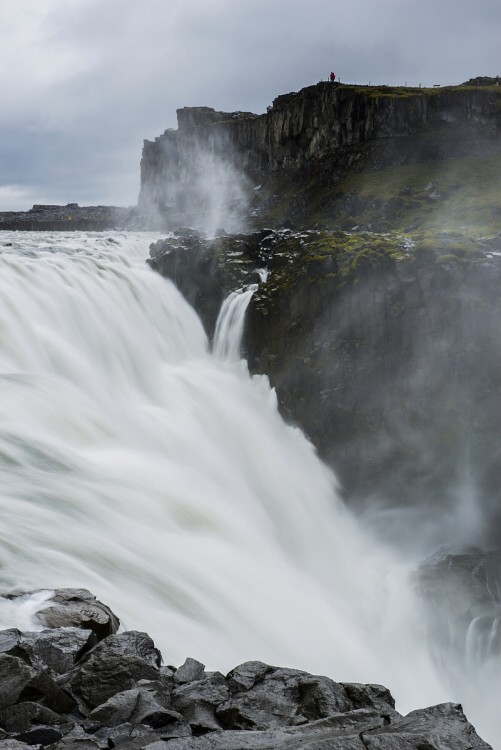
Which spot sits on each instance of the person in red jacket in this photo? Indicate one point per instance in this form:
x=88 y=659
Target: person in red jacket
x=333 y=77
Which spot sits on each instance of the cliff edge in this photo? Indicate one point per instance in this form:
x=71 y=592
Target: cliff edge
x=298 y=163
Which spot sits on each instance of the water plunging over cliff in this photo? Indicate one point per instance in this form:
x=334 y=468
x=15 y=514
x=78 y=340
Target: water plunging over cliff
x=135 y=463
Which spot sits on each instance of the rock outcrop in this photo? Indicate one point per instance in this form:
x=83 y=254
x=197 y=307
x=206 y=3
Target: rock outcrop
x=383 y=348
x=115 y=693
x=71 y=217
x=304 y=144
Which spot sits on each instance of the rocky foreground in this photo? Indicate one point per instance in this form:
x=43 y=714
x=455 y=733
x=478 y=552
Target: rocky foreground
x=79 y=684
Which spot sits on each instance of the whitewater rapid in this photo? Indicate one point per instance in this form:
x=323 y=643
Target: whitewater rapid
x=139 y=465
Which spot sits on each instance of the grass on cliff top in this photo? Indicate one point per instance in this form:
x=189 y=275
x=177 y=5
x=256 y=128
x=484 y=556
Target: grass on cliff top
x=462 y=194
x=342 y=258
x=406 y=92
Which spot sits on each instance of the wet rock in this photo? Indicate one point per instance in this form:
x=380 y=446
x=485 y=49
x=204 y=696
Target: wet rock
x=274 y=697
x=442 y=726
x=21 y=717
x=13 y=744
x=463 y=589
x=113 y=666
x=190 y=671
x=79 y=608
x=198 y=702
x=141 y=705
x=15 y=678
x=116 y=695
x=57 y=649
x=40 y=736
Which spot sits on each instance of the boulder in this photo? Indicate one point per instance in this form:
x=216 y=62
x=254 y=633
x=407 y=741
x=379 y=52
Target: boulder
x=113 y=666
x=77 y=608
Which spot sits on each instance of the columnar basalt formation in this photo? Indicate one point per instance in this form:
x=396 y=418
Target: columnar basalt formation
x=322 y=131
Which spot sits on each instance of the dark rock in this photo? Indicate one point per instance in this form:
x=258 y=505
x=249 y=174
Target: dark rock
x=67 y=608
x=246 y=675
x=462 y=587
x=190 y=671
x=198 y=702
x=69 y=218
x=15 y=678
x=79 y=608
x=12 y=744
x=40 y=736
x=444 y=726
x=9 y=643
x=372 y=344
x=58 y=649
x=377 y=697
x=316 y=135
x=141 y=705
x=117 y=696
x=113 y=666
x=20 y=717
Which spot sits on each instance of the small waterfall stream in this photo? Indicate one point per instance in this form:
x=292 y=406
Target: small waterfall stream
x=230 y=324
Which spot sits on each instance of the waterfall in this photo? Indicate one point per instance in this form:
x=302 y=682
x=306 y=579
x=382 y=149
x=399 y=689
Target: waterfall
x=230 y=323
x=137 y=464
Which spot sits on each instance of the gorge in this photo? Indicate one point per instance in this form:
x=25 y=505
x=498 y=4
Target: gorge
x=139 y=465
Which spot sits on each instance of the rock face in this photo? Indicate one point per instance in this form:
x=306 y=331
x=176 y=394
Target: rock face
x=383 y=348
x=68 y=218
x=116 y=693
x=315 y=135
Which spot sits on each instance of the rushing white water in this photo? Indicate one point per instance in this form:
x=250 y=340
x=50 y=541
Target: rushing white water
x=136 y=464
x=230 y=323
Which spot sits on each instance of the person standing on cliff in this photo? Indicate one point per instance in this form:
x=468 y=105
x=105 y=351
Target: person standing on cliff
x=333 y=77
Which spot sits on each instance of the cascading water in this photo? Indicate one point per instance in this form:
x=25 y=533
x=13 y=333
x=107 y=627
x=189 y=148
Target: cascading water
x=230 y=323
x=136 y=464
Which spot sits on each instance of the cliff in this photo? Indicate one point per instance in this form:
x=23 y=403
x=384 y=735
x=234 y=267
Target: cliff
x=71 y=217
x=382 y=348
x=304 y=146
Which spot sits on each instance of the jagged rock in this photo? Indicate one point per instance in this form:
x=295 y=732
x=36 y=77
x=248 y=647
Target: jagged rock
x=443 y=727
x=198 y=702
x=68 y=608
x=114 y=665
x=20 y=717
x=246 y=675
x=79 y=608
x=15 y=678
x=264 y=697
x=40 y=736
x=190 y=671
x=12 y=744
x=146 y=704
x=57 y=649
x=117 y=696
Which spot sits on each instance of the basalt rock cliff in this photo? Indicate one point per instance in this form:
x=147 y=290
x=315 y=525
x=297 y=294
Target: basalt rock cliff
x=287 y=166
x=377 y=324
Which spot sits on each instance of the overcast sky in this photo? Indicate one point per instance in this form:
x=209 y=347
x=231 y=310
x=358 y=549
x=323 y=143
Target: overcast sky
x=83 y=82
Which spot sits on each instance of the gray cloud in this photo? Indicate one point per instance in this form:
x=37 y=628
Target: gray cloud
x=84 y=81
